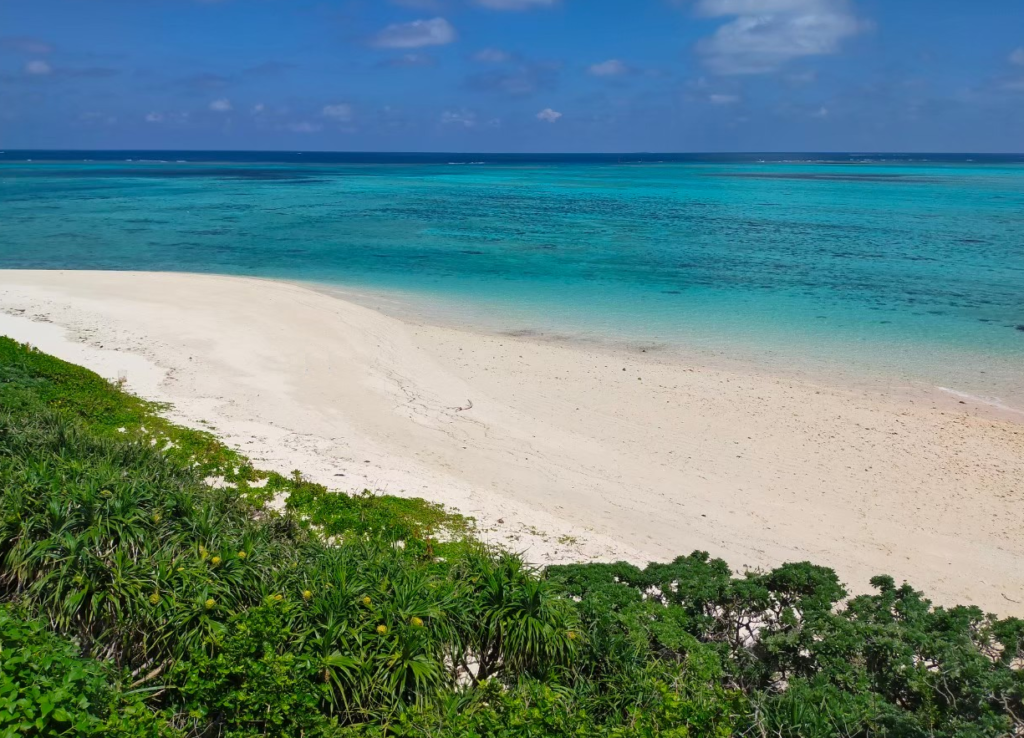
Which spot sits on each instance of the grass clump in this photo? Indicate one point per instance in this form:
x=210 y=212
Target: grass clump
x=137 y=599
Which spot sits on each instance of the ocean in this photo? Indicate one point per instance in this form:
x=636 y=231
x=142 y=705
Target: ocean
x=894 y=269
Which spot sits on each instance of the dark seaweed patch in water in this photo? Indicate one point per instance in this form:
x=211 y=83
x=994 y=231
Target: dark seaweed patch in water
x=260 y=174
x=471 y=252
x=894 y=178
x=671 y=292
x=1020 y=327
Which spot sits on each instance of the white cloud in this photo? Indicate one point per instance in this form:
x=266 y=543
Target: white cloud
x=821 y=112
x=38 y=67
x=610 y=68
x=713 y=8
x=223 y=105
x=766 y=34
x=548 y=115
x=515 y=4
x=492 y=56
x=154 y=117
x=258 y=108
x=433 y=32
x=341 y=112
x=719 y=98
x=95 y=118
x=25 y=45
x=1017 y=56
x=411 y=59
x=304 y=127
x=464 y=118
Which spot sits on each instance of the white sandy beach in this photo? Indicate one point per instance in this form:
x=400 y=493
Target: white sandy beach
x=568 y=452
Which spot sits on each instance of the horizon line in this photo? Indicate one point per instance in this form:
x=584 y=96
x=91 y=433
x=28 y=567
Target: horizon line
x=526 y=153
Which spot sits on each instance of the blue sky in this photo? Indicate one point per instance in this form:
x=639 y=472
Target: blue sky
x=514 y=75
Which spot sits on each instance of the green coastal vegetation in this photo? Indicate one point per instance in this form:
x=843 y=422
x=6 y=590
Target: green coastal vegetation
x=150 y=586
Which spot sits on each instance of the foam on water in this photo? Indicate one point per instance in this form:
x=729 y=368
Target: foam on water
x=902 y=268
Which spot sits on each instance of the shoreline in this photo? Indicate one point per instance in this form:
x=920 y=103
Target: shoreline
x=583 y=452
x=406 y=309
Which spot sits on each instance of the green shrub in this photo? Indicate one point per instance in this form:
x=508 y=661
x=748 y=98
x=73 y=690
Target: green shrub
x=152 y=604
x=48 y=689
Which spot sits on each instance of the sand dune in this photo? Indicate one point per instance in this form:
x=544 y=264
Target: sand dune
x=567 y=451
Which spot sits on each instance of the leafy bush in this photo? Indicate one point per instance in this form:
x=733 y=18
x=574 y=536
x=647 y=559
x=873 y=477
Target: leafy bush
x=152 y=603
x=883 y=664
x=45 y=687
x=48 y=689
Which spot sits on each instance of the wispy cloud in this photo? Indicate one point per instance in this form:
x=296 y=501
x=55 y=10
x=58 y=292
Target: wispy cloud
x=171 y=118
x=303 y=126
x=519 y=80
x=415 y=34
x=38 y=67
x=341 y=112
x=464 y=118
x=721 y=98
x=492 y=56
x=411 y=59
x=515 y=4
x=766 y=34
x=1017 y=56
x=222 y=105
x=610 y=68
x=25 y=45
x=548 y=115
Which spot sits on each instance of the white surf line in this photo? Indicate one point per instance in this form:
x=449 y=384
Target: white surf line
x=991 y=402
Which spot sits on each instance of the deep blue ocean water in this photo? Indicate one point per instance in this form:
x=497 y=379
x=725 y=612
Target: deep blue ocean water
x=902 y=267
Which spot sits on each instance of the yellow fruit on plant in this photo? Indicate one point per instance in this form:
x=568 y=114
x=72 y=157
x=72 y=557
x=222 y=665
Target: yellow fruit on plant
x=154 y=599
x=415 y=622
x=211 y=603
x=242 y=554
x=307 y=595
x=366 y=601
x=215 y=560
x=382 y=629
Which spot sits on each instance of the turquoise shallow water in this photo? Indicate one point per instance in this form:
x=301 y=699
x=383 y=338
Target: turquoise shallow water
x=899 y=269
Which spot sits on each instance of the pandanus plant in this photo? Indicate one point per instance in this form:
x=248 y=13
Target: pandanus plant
x=519 y=623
